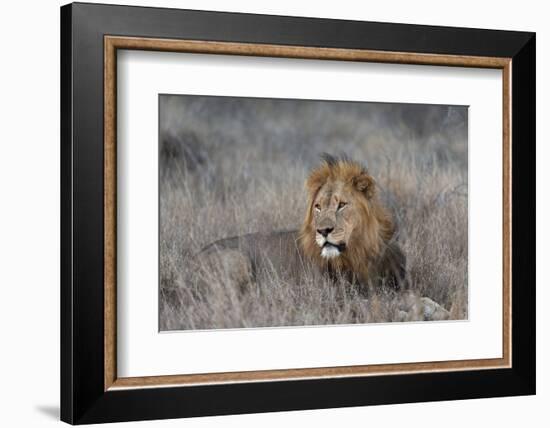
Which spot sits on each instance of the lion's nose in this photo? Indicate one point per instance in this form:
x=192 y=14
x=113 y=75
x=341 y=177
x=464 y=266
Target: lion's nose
x=325 y=231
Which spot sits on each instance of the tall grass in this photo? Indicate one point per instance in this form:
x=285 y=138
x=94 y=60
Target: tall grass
x=232 y=166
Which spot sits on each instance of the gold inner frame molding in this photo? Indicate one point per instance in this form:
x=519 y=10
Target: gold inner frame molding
x=113 y=43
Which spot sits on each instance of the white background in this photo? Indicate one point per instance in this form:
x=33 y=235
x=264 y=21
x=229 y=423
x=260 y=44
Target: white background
x=142 y=351
x=29 y=219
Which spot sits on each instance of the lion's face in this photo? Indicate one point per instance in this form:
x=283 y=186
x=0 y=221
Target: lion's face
x=335 y=215
x=345 y=223
x=346 y=228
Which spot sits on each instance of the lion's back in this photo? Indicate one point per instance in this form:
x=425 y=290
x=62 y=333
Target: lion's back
x=275 y=253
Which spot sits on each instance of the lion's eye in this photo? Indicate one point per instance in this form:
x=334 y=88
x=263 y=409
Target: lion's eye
x=341 y=205
x=317 y=207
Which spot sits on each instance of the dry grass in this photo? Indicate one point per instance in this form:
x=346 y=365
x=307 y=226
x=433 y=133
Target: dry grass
x=235 y=166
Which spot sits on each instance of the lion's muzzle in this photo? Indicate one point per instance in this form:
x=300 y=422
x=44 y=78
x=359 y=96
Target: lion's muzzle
x=330 y=250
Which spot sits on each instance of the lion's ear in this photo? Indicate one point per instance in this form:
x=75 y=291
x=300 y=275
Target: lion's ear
x=365 y=184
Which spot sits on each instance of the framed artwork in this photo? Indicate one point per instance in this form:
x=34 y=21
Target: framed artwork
x=266 y=213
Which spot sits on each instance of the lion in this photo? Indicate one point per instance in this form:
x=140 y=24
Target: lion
x=346 y=233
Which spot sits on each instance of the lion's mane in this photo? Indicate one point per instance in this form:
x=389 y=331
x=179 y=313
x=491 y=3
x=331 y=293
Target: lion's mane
x=369 y=251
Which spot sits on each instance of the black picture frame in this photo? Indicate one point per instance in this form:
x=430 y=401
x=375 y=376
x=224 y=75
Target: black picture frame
x=83 y=398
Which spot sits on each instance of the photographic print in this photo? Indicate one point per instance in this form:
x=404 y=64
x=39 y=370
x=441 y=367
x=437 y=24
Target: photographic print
x=290 y=212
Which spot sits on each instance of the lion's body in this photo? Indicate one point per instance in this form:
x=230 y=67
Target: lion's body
x=277 y=251
x=359 y=243
x=282 y=253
